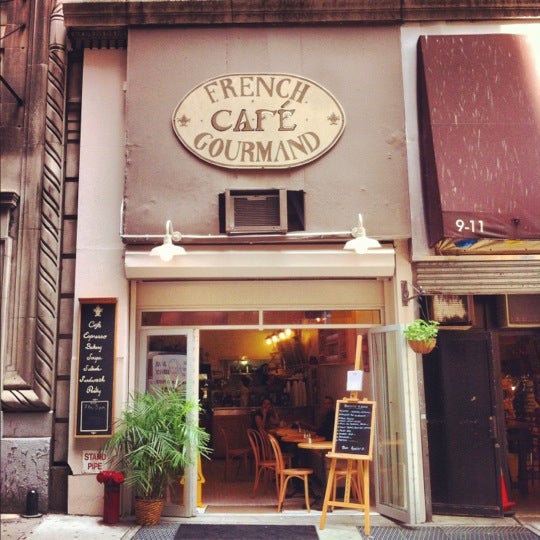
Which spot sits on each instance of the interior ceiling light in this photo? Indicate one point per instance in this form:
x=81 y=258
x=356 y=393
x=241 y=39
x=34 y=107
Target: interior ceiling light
x=361 y=243
x=168 y=250
x=281 y=335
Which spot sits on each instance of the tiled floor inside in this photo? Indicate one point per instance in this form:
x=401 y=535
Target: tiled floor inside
x=236 y=492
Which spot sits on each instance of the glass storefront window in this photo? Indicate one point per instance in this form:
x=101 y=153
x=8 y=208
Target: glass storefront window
x=318 y=317
x=258 y=318
x=199 y=318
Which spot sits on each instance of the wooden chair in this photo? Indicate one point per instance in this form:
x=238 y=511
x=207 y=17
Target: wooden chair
x=284 y=474
x=263 y=466
x=268 y=452
x=231 y=454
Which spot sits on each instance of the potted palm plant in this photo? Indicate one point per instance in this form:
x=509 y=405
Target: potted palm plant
x=422 y=335
x=155 y=437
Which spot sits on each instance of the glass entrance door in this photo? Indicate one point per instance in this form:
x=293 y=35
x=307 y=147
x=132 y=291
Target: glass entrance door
x=397 y=456
x=170 y=354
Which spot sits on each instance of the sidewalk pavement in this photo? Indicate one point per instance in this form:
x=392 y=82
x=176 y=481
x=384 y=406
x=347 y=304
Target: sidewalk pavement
x=338 y=525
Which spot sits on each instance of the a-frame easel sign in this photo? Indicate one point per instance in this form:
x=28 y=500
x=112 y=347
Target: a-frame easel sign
x=352 y=442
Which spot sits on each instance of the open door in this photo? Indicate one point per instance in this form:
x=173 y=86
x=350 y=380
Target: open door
x=465 y=434
x=165 y=353
x=399 y=485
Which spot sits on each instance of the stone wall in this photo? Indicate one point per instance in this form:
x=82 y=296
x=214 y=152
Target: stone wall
x=35 y=383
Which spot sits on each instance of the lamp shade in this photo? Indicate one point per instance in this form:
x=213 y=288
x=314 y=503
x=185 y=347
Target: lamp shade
x=167 y=250
x=361 y=244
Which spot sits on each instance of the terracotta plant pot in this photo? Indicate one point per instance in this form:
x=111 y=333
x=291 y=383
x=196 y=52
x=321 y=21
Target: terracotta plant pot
x=423 y=347
x=148 y=511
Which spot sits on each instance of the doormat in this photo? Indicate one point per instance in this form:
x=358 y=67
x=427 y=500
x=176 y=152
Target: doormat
x=246 y=532
x=450 y=533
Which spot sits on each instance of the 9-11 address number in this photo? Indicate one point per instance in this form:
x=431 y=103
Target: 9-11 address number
x=473 y=225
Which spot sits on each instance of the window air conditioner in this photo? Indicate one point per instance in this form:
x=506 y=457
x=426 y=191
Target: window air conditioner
x=256 y=211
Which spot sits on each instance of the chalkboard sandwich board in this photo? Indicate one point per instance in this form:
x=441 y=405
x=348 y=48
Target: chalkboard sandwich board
x=95 y=368
x=353 y=430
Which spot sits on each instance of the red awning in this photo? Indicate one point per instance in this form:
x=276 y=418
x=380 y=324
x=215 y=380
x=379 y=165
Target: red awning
x=479 y=122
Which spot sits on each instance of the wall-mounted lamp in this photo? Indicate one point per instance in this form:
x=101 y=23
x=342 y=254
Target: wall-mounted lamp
x=361 y=243
x=168 y=250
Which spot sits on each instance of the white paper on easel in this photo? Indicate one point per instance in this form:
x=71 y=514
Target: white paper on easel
x=354 y=380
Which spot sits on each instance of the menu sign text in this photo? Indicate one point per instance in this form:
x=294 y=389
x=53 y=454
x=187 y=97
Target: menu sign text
x=95 y=374
x=353 y=430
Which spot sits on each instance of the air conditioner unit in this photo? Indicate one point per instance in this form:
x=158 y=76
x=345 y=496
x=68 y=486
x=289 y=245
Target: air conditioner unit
x=256 y=211
x=519 y=310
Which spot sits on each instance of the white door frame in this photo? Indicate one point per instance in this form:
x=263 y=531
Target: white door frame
x=188 y=508
x=398 y=448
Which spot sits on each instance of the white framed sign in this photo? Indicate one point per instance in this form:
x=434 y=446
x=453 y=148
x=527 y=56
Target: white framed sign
x=93 y=461
x=259 y=121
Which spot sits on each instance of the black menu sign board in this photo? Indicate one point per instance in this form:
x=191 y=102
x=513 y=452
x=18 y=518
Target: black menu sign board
x=353 y=429
x=95 y=373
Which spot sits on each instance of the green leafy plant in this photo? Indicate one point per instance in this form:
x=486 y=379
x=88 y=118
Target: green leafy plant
x=421 y=330
x=156 y=436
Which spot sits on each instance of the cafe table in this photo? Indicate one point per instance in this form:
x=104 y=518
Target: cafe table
x=300 y=438
x=318 y=445
x=283 y=431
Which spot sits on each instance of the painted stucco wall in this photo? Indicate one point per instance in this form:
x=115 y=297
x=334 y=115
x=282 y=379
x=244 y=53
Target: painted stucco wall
x=364 y=172
x=99 y=268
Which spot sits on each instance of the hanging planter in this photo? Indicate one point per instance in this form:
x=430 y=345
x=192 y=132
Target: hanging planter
x=422 y=347
x=421 y=335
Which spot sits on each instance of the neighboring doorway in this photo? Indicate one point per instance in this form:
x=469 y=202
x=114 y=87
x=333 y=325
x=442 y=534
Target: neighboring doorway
x=519 y=351
x=465 y=424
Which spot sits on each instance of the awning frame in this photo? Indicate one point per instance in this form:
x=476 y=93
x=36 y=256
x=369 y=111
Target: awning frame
x=262 y=264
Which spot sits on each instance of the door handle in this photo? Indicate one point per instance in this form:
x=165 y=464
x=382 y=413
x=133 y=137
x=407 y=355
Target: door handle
x=492 y=421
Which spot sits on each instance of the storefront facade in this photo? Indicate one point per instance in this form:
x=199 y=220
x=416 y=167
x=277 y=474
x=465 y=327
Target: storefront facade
x=183 y=116
x=291 y=272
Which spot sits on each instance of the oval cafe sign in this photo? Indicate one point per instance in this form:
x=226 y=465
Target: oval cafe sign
x=259 y=121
